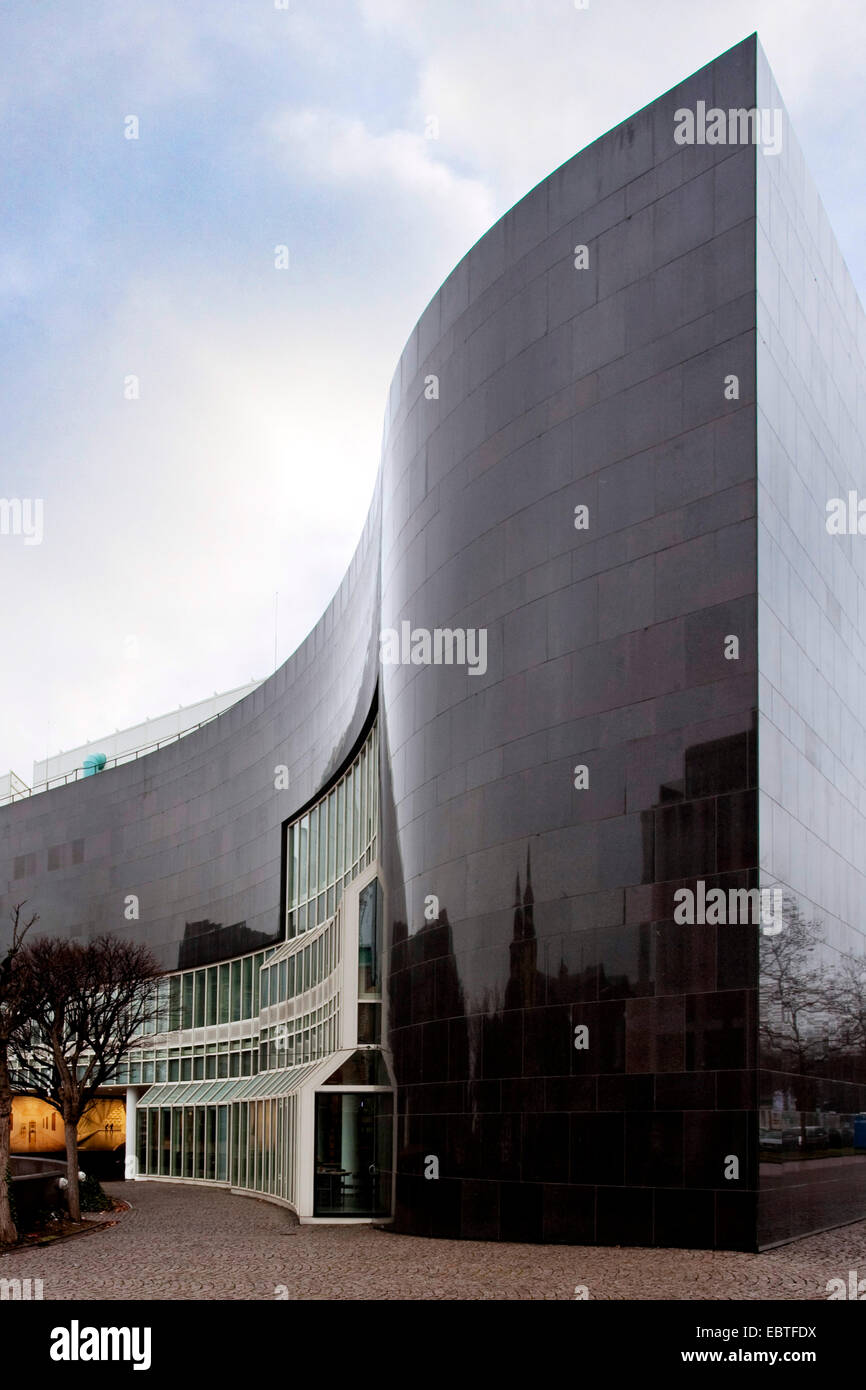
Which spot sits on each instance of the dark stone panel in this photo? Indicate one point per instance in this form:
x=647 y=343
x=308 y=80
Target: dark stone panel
x=717 y=1030
x=545 y=1148
x=710 y=1139
x=502 y=1145
x=684 y=1220
x=625 y=1093
x=654 y=1150
x=736 y=1217
x=479 y=1211
x=686 y=1091
x=521 y=1211
x=568 y=1214
x=570 y=1093
x=445 y=1208
x=597 y=1148
x=624 y=1216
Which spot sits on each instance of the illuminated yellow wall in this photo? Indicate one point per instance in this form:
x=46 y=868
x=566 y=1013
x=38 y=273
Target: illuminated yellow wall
x=37 y=1128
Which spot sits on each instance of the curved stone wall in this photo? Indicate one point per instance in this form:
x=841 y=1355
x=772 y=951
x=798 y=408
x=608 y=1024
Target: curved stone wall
x=578 y=1064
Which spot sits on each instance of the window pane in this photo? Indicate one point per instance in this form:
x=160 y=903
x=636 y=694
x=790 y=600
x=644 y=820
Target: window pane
x=224 y=994
x=210 y=1153
x=222 y=1142
x=212 y=995
x=350 y=790
x=362 y=802
x=174 y=1011
x=236 y=991
x=198 y=1014
x=341 y=811
x=332 y=837
x=176 y=1156
x=302 y=869
x=153 y=1141
x=368 y=942
x=257 y=960
x=165 y=1143
x=313 y=883
x=291 y=865
x=188 y=982
x=198 y=1164
x=323 y=845
x=247 y=1000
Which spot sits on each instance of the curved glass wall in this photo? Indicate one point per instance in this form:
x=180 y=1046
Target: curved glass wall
x=332 y=842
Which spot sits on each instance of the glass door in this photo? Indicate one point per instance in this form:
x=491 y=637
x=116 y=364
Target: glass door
x=353 y=1153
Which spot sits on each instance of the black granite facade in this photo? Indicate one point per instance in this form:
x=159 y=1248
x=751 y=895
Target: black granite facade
x=562 y=387
x=572 y=468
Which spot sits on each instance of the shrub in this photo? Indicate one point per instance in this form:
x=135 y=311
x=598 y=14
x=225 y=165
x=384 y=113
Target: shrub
x=92 y=1196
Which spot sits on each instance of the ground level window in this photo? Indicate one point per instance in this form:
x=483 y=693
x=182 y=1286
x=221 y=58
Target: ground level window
x=353 y=1154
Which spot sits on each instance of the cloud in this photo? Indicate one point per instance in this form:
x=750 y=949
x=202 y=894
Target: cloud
x=342 y=150
x=247 y=464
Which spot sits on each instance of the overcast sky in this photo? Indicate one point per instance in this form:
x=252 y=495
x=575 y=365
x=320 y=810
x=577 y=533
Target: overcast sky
x=247 y=463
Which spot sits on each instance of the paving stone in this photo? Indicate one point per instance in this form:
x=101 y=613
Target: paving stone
x=181 y=1242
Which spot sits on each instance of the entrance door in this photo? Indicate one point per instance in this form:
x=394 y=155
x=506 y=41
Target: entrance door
x=353 y=1153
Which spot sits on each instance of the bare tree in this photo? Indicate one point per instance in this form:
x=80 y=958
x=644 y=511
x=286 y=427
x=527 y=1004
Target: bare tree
x=85 y=1003
x=850 y=997
x=11 y=1016
x=799 y=1029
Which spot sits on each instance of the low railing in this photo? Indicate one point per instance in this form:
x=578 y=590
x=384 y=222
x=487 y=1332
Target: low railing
x=35 y=1185
x=62 y=779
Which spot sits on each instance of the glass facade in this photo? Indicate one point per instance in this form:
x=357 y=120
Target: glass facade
x=242 y=1123
x=188 y=1003
x=332 y=843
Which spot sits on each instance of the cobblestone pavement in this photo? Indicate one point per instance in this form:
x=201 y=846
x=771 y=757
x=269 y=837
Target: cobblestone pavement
x=182 y=1242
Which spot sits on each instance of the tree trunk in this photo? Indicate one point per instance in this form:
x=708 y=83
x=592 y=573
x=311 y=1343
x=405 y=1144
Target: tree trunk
x=73 y=1199
x=8 y=1233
